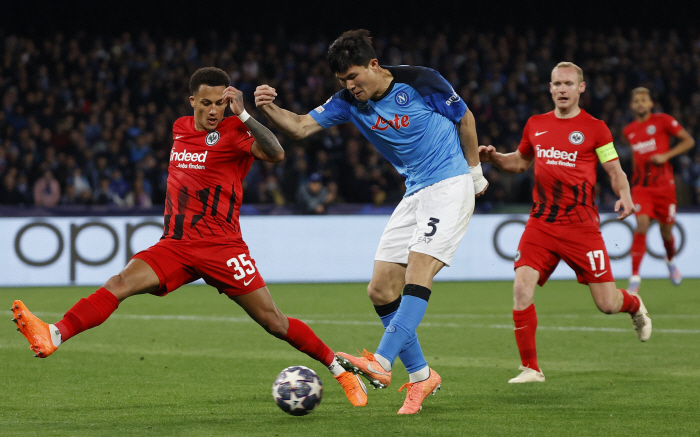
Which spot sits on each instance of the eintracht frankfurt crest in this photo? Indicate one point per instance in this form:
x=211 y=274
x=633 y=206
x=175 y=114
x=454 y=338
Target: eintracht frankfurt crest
x=212 y=138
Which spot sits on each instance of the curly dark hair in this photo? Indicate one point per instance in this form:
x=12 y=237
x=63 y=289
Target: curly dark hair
x=353 y=47
x=211 y=76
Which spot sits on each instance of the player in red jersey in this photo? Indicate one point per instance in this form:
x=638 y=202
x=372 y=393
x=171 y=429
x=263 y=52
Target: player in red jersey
x=653 y=186
x=201 y=236
x=565 y=145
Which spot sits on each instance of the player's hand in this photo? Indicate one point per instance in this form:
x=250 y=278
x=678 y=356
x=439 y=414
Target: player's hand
x=624 y=208
x=264 y=95
x=485 y=153
x=234 y=98
x=658 y=159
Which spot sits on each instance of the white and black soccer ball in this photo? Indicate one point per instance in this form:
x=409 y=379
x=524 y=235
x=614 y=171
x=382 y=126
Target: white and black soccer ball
x=297 y=390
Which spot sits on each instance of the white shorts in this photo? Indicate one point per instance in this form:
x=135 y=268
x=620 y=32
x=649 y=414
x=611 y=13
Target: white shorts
x=431 y=221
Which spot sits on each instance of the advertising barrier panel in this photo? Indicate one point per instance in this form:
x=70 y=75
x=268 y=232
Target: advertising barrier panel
x=88 y=250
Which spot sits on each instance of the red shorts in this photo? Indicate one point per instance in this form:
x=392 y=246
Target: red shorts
x=656 y=202
x=226 y=266
x=581 y=247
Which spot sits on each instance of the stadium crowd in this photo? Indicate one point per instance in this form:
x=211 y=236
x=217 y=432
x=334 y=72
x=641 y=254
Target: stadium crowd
x=86 y=119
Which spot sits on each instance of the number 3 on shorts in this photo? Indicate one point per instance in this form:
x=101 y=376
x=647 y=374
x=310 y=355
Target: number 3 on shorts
x=240 y=273
x=592 y=255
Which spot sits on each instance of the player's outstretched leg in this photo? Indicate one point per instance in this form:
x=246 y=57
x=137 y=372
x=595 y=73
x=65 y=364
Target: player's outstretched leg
x=303 y=338
x=85 y=314
x=418 y=391
x=34 y=330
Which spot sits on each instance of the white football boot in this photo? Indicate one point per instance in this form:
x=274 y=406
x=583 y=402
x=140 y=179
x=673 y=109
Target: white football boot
x=527 y=375
x=641 y=320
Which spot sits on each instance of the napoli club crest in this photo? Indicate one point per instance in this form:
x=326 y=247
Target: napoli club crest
x=576 y=138
x=401 y=98
x=651 y=129
x=212 y=138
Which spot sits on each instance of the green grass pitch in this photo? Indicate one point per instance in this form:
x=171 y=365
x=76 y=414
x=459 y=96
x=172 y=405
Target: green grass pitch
x=193 y=364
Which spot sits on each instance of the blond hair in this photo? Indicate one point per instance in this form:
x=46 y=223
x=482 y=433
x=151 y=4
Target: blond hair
x=579 y=72
x=641 y=90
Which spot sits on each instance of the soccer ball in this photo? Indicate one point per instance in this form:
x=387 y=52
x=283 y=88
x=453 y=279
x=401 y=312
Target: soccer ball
x=297 y=390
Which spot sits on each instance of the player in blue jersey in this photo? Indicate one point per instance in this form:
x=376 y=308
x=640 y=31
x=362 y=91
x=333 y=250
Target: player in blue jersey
x=416 y=120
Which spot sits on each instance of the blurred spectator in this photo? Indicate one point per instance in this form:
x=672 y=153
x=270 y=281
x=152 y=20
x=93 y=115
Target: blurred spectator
x=47 y=191
x=108 y=108
x=313 y=197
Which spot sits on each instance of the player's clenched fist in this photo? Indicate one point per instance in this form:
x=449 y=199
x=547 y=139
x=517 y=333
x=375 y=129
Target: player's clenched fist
x=234 y=98
x=485 y=153
x=264 y=95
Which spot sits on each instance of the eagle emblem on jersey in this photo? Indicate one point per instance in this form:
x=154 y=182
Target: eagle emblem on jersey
x=651 y=129
x=576 y=138
x=401 y=98
x=212 y=138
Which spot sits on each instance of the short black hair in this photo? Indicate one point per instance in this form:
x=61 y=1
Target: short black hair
x=211 y=76
x=353 y=47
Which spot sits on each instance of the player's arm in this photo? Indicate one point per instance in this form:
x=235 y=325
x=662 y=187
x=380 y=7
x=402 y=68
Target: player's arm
x=293 y=125
x=266 y=146
x=514 y=162
x=470 y=147
x=607 y=155
x=685 y=144
x=618 y=181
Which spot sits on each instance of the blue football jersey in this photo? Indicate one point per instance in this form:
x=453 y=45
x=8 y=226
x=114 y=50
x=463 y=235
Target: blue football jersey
x=413 y=124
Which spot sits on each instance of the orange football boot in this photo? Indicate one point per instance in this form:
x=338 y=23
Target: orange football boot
x=418 y=391
x=355 y=389
x=33 y=329
x=367 y=366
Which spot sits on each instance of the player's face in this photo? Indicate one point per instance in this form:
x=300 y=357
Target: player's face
x=208 y=107
x=566 y=88
x=641 y=104
x=360 y=81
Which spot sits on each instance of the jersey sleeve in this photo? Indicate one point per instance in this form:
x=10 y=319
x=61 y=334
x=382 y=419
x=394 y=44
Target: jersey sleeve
x=439 y=95
x=333 y=112
x=525 y=147
x=241 y=138
x=671 y=125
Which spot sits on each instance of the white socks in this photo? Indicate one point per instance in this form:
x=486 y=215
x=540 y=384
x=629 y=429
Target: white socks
x=335 y=368
x=420 y=375
x=383 y=362
x=55 y=335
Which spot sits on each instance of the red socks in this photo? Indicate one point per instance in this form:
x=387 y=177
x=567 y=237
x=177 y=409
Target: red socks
x=87 y=313
x=670 y=246
x=630 y=304
x=300 y=336
x=525 y=327
x=639 y=248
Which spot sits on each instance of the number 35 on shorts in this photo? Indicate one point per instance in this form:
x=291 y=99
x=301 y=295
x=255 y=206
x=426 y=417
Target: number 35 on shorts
x=241 y=266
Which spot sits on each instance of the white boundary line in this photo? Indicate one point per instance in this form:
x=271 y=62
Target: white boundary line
x=193 y=318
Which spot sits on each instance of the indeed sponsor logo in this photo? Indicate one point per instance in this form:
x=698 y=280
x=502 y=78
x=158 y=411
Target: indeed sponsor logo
x=558 y=157
x=187 y=156
x=645 y=146
x=188 y=160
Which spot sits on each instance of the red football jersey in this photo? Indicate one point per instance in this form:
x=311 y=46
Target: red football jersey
x=647 y=139
x=565 y=166
x=204 y=192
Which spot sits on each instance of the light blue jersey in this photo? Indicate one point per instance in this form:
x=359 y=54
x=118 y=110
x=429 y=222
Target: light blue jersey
x=413 y=124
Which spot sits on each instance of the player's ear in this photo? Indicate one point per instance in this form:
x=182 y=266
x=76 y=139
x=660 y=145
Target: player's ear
x=582 y=87
x=192 y=101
